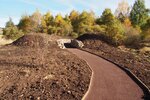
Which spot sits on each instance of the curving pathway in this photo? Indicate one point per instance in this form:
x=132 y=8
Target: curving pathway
x=108 y=82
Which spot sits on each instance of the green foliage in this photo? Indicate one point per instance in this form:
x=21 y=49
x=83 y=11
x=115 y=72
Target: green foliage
x=25 y=24
x=107 y=17
x=84 y=22
x=10 y=23
x=139 y=13
x=12 y=32
x=99 y=28
x=61 y=26
x=121 y=17
x=114 y=30
x=30 y=23
x=74 y=35
x=74 y=18
x=146 y=31
x=46 y=21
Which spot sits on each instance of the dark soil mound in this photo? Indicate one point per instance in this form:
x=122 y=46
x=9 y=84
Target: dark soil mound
x=95 y=37
x=137 y=62
x=51 y=73
x=31 y=40
x=88 y=37
x=94 y=41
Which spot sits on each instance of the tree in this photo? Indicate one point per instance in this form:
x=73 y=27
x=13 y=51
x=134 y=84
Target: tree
x=123 y=10
x=74 y=18
x=30 y=23
x=85 y=22
x=25 y=24
x=146 y=31
x=11 y=31
x=46 y=21
x=68 y=26
x=139 y=13
x=107 y=17
x=60 y=26
x=127 y=22
x=115 y=33
x=121 y=17
x=114 y=29
x=35 y=19
x=9 y=23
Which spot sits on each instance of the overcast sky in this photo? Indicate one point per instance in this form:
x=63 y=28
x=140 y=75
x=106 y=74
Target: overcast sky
x=16 y=8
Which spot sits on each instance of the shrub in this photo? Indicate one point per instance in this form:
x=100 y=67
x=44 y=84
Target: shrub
x=74 y=35
x=146 y=31
x=115 y=33
x=132 y=37
x=12 y=33
x=98 y=28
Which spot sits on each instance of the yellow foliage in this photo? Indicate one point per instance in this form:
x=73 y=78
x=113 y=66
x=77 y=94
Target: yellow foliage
x=127 y=22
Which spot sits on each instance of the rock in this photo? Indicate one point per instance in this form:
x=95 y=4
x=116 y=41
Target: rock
x=76 y=43
x=61 y=42
x=73 y=42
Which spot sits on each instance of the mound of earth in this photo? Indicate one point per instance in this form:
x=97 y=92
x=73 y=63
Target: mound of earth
x=137 y=62
x=36 y=40
x=47 y=73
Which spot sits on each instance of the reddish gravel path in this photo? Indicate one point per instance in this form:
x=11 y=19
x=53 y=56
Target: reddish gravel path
x=108 y=82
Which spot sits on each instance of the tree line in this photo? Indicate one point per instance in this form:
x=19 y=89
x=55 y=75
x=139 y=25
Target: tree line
x=129 y=25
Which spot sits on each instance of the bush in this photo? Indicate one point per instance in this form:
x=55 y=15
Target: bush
x=146 y=35
x=146 y=31
x=115 y=33
x=132 y=37
x=12 y=33
x=98 y=28
x=74 y=35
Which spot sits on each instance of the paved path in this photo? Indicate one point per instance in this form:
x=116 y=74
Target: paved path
x=108 y=82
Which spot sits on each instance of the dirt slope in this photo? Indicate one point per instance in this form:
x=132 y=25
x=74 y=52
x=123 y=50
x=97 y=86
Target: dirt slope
x=37 y=72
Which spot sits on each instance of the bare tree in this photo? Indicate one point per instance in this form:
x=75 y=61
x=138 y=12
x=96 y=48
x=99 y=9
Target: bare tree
x=123 y=9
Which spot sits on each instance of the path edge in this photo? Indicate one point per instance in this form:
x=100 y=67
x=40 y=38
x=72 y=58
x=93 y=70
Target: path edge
x=142 y=85
x=83 y=98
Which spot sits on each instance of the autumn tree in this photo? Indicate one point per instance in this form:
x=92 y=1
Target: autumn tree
x=74 y=16
x=35 y=19
x=25 y=24
x=122 y=11
x=68 y=26
x=46 y=21
x=30 y=23
x=127 y=22
x=114 y=29
x=85 y=22
x=60 y=26
x=139 y=13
